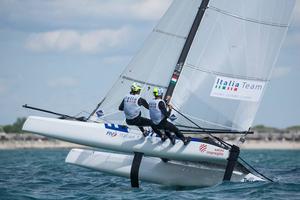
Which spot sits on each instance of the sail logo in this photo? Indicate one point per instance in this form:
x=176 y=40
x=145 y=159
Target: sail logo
x=225 y=85
x=238 y=89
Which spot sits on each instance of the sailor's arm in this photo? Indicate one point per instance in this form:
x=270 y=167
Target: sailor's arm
x=162 y=107
x=143 y=102
x=121 y=106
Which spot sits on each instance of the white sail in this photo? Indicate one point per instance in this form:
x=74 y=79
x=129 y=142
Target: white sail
x=230 y=61
x=227 y=68
x=155 y=62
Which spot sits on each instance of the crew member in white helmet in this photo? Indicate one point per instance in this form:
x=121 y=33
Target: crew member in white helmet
x=131 y=105
x=159 y=115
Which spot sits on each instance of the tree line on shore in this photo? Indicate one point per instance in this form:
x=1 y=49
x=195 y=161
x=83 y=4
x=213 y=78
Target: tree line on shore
x=16 y=127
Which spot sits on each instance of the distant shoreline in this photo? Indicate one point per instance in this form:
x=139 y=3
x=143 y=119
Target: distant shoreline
x=256 y=141
x=271 y=145
x=6 y=145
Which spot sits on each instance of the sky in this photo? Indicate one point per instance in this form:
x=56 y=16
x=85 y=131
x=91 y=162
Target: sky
x=64 y=55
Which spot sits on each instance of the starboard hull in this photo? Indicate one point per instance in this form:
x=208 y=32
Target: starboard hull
x=154 y=169
x=122 y=139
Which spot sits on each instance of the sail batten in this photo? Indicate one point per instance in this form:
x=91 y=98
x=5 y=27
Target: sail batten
x=206 y=70
x=143 y=82
x=170 y=34
x=248 y=19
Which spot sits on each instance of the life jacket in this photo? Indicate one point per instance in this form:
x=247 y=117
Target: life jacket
x=131 y=106
x=155 y=113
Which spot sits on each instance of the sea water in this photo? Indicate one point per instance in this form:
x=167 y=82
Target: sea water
x=43 y=174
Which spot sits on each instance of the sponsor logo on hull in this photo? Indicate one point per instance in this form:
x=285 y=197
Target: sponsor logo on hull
x=202 y=147
x=116 y=127
x=115 y=134
x=216 y=152
x=111 y=133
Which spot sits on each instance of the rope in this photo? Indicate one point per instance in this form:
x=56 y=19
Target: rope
x=255 y=169
x=224 y=143
x=219 y=139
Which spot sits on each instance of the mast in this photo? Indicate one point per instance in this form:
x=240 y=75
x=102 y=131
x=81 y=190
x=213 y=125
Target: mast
x=186 y=49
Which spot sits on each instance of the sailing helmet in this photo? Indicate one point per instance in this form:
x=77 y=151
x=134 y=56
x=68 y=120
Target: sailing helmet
x=158 y=92
x=135 y=87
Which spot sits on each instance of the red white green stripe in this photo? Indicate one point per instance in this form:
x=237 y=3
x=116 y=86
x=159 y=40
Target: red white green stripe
x=174 y=79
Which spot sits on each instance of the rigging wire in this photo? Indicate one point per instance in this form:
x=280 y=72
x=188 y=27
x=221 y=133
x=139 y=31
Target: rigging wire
x=219 y=139
x=246 y=163
x=81 y=113
x=95 y=110
x=223 y=127
x=224 y=143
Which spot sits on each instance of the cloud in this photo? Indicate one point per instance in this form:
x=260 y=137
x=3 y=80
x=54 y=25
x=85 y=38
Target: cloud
x=128 y=9
x=63 y=82
x=280 y=72
x=292 y=40
x=74 y=14
x=3 y=86
x=71 y=40
x=116 y=60
x=149 y=9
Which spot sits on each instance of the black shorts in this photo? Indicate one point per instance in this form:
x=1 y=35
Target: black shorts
x=139 y=121
x=168 y=126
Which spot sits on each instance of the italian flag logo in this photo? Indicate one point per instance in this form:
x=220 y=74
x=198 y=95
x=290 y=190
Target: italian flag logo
x=174 y=78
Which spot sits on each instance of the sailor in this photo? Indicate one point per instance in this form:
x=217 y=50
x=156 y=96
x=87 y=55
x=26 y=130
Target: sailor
x=131 y=105
x=159 y=114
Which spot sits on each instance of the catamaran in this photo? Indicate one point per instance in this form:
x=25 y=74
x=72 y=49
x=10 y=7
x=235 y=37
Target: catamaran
x=214 y=60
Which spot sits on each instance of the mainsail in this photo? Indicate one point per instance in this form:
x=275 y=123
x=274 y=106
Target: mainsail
x=227 y=67
x=231 y=60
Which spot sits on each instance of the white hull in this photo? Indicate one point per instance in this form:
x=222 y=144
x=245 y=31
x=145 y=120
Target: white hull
x=154 y=169
x=113 y=137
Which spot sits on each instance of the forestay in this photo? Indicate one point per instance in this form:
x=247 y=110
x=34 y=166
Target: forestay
x=231 y=60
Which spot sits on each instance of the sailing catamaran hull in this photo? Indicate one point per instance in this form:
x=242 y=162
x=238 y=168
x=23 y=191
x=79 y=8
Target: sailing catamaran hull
x=154 y=169
x=122 y=139
x=207 y=168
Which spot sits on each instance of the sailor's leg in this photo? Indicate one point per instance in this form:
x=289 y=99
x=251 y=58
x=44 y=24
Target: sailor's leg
x=145 y=121
x=161 y=126
x=156 y=130
x=170 y=136
x=135 y=122
x=142 y=121
x=142 y=129
x=171 y=127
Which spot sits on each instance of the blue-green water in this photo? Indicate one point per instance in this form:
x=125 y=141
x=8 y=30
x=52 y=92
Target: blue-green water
x=43 y=174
